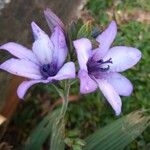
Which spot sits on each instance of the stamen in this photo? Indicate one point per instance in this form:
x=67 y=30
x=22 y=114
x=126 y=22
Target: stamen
x=104 y=69
x=97 y=66
x=105 y=62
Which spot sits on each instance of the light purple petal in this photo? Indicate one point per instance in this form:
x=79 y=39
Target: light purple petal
x=83 y=48
x=66 y=72
x=111 y=95
x=38 y=33
x=19 y=51
x=24 y=86
x=105 y=39
x=87 y=85
x=60 y=47
x=42 y=47
x=123 y=58
x=21 y=67
x=52 y=20
x=120 y=83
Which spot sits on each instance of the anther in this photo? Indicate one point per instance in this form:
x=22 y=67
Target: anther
x=104 y=69
x=105 y=62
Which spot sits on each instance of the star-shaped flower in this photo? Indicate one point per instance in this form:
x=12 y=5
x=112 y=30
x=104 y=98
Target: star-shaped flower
x=99 y=67
x=44 y=63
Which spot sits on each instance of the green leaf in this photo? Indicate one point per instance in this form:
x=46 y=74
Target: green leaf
x=41 y=132
x=76 y=147
x=74 y=28
x=57 y=137
x=68 y=141
x=80 y=142
x=118 y=134
x=73 y=133
x=85 y=30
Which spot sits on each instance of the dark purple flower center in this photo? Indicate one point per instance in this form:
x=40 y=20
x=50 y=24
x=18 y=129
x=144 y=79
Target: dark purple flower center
x=48 y=70
x=98 y=66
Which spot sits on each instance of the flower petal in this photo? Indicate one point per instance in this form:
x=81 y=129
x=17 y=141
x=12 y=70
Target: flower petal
x=21 y=67
x=19 y=51
x=42 y=47
x=87 y=85
x=52 y=20
x=24 y=86
x=60 y=47
x=83 y=48
x=120 y=83
x=123 y=58
x=111 y=95
x=66 y=72
x=105 y=39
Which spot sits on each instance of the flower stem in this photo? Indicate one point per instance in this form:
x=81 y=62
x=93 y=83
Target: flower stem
x=59 y=125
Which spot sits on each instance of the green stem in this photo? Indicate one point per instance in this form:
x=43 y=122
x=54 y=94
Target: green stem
x=58 y=126
x=65 y=99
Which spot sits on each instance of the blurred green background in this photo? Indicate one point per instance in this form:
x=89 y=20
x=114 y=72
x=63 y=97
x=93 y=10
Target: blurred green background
x=92 y=111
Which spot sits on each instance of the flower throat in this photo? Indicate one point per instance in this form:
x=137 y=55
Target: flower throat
x=48 y=70
x=96 y=66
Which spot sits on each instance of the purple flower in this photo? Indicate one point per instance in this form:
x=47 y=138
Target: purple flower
x=99 y=67
x=45 y=63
